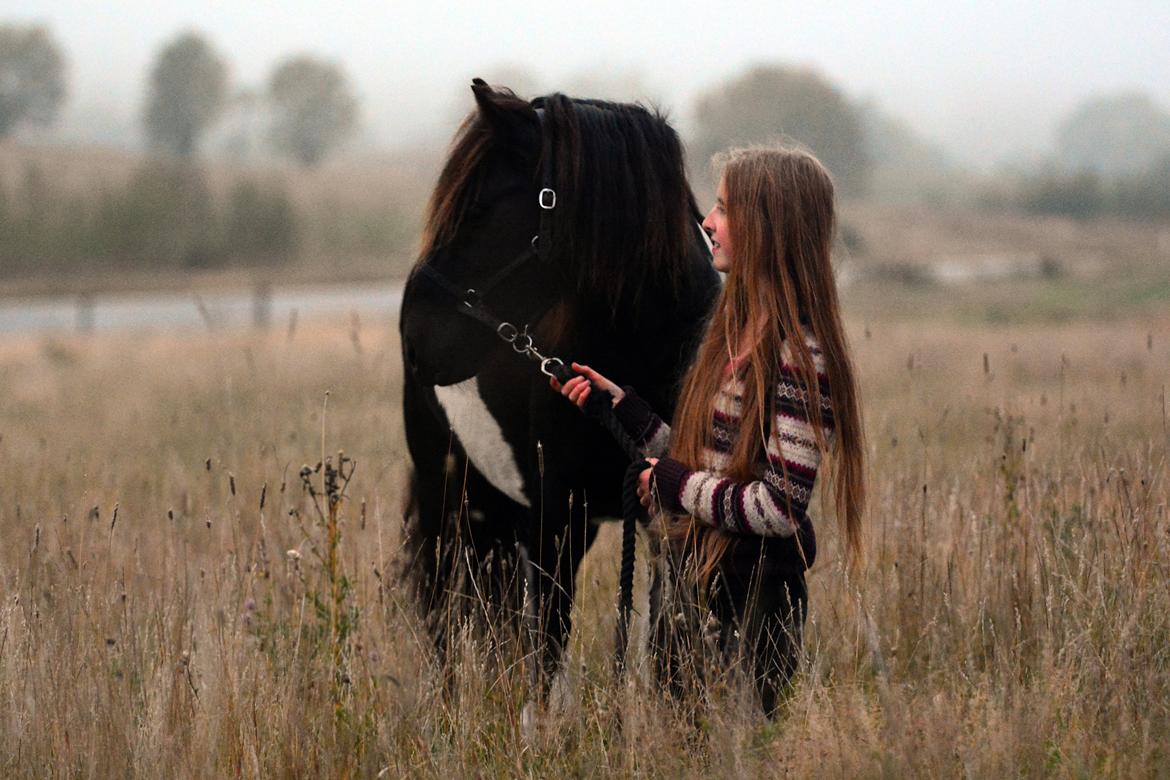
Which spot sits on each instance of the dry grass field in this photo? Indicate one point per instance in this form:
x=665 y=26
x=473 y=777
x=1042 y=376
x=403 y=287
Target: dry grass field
x=1013 y=617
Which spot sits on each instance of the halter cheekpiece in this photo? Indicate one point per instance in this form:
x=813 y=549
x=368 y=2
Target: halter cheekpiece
x=471 y=299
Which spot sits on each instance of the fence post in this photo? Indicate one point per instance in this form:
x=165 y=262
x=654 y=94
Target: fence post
x=262 y=304
x=85 y=315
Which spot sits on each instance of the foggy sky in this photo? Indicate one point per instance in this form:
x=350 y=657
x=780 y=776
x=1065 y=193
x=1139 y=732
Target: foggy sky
x=987 y=80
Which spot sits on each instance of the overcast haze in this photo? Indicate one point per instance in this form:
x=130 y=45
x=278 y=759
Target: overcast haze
x=989 y=81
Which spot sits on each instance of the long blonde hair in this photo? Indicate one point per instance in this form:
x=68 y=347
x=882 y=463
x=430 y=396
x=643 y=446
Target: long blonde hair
x=781 y=221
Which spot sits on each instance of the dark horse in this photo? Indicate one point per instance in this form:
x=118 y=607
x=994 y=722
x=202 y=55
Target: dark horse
x=507 y=475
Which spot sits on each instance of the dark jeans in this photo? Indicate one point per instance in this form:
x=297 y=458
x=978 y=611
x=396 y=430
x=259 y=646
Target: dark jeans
x=749 y=616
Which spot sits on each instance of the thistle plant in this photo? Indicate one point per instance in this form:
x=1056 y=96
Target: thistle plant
x=336 y=616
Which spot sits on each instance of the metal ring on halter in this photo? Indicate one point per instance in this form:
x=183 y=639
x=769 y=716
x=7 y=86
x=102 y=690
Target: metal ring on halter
x=552 y=361
x=471 y=298
x=534 y=240
x=522 y=343
x=508 y=332
x=547 y=199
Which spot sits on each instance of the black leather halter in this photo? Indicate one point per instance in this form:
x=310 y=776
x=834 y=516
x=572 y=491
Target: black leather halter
x=470 y=299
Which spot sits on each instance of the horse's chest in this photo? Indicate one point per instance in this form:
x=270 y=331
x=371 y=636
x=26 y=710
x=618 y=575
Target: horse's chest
x=482 y=437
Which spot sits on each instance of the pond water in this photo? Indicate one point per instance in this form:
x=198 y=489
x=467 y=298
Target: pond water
x=225 y=309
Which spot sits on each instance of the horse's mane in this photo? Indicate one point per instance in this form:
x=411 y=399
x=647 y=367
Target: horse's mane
x=625 y=215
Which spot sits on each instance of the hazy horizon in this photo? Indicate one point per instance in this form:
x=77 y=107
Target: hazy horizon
x=989 y=84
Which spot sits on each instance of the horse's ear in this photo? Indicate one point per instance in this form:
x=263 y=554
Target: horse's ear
x=512 y=119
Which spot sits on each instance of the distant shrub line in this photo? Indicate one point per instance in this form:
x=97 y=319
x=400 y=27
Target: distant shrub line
x=1142 y=195
x=167 y=218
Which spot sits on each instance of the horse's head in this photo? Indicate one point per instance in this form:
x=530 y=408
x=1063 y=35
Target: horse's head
x=623 y=231
x=483 y=215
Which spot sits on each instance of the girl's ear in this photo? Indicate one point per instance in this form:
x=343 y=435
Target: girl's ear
x=513 y=120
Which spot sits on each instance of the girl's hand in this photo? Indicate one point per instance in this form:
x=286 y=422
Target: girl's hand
x=645 y=495
x=578 y=388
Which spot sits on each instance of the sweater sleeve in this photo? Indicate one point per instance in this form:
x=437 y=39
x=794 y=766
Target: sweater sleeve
x=776 y=503
x=645 y=427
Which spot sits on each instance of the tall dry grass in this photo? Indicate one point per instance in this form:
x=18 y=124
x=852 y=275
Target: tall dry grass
x=1013 y=617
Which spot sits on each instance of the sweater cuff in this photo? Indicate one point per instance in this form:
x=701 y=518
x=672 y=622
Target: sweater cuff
x=670 y=476
x=634 y=414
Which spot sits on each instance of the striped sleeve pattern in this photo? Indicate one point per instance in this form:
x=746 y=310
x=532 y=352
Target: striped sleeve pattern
x=776 y=502
x=649 y=431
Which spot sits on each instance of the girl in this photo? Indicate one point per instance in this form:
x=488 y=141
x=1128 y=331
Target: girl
x=771 y=392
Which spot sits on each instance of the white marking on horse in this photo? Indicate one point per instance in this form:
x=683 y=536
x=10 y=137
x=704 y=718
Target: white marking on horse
x=482 y=438
x=706 y=238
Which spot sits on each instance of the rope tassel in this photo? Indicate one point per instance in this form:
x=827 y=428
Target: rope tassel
x=632 y=513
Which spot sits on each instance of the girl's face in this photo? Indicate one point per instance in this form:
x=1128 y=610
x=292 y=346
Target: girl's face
x=715 y=224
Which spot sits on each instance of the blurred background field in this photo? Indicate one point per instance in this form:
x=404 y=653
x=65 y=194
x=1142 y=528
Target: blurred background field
x=88 y=219
x=168 y=602
x=198 y=158
x=99 y=223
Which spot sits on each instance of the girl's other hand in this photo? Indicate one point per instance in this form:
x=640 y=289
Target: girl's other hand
x=578 y=388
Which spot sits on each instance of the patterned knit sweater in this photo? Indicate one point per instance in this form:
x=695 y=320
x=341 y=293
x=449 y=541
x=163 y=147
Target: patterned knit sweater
x=766 y=506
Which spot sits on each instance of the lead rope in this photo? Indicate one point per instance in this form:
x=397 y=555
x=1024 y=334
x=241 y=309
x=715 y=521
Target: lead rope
x=632 y=513
x=599 y=407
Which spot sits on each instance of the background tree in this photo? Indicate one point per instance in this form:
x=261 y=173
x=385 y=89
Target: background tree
x=893 y=142
x=187 y=91
x=776 y=101
x=313 y=108
x=32 y=77
x=904 y=167
x=1114 y=135
x=1147 y=194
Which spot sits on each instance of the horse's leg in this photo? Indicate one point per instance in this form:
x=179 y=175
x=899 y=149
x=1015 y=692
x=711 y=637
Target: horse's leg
x=559 y=536
x=460 y=531
x=425 y=565
x=492 y=583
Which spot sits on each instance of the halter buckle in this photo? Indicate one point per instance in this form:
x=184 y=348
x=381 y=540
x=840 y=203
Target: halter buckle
x=547 y=199
x=471 y=298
